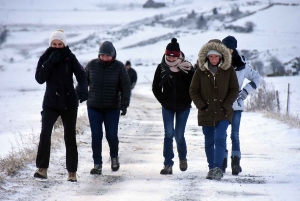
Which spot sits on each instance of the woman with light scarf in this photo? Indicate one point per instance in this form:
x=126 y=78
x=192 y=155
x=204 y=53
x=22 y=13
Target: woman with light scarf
x=170 y=86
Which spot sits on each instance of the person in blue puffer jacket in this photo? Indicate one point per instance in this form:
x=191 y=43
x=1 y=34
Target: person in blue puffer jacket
x=243 y=71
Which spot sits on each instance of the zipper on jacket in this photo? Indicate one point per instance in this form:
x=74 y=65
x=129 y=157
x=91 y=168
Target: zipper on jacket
x=214 y=121
x=214 y=81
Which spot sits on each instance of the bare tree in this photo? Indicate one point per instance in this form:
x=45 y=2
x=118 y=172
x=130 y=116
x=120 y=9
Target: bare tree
x=201 y=22
x=249 y=26
x=276 y=66
x=191 y=15
x=258 y=65
x=3 y=34
x=235 y=12
x=215 y=11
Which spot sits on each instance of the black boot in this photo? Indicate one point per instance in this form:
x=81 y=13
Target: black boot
x=224 y=166
x=235 y=165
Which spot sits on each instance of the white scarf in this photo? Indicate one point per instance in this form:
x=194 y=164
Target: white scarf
x=177 y=65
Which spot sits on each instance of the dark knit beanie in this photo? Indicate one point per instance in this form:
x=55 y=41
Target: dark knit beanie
x=127 y=63
x=230 y=42
x=173 y=48
x=107 y=48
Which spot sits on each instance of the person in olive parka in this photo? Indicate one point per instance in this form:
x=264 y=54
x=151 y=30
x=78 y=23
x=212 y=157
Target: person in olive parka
x=213 y=89
x=56 y=67
x=109 y=93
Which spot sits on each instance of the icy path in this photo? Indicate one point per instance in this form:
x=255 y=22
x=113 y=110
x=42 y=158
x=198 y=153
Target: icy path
x=270 y=163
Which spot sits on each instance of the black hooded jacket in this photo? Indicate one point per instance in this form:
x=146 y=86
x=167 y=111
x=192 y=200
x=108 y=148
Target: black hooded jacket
x=60 y=92
x=109 y=85
x=171 y=89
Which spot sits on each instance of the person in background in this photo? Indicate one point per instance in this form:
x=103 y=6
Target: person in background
x=243 y=71
x=170 y=86
x=56 y=67
x=132 y=74
x=109 y=93
x=213 y=89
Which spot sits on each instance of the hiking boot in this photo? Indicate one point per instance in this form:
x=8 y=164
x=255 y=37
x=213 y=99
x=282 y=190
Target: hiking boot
x=97 y=169
x=183 y=165
x=115 y=165
x=166 y=170
x=235 y=165
x=224 y=166
x=217 y=173
x=41 y=173
x=72 y=177
x=210 y=174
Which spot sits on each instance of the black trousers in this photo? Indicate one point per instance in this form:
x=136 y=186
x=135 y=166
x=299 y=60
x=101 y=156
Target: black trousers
x=49 y=117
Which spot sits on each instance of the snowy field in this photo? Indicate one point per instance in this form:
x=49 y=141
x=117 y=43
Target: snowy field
x=270 y=149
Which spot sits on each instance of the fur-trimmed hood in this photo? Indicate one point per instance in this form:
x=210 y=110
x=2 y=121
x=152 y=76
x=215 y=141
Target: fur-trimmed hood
x=222 y=49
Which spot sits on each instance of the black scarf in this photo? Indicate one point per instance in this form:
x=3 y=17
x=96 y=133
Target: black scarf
x=237 y=60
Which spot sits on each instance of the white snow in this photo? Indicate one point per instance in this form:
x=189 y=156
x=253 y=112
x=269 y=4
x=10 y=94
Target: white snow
x=270 y=149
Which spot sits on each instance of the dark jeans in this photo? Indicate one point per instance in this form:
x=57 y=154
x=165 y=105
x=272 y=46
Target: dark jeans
x=214 y=137
x=235 y=137
x=49 y=117
x=110 y=118
x=178 y=132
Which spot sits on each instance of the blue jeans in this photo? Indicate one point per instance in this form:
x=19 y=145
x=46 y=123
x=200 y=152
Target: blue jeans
x=110 y=118
x=215 y=143
x=235 y=137
x=178 y=132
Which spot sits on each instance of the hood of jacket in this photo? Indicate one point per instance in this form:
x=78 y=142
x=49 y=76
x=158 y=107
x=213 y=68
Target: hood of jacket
x=222 y=49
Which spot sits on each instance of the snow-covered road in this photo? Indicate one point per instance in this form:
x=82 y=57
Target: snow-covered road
x=270 y=162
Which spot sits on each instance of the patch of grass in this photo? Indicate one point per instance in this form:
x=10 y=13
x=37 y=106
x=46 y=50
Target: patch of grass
x=291 y=120
x=264 y=100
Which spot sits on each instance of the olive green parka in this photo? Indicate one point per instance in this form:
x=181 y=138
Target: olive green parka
x=216 y=91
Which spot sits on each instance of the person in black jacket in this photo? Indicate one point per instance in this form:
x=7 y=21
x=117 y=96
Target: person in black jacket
x=170 y=86
x=109 y=93
x=56 y=67
x=132 y=74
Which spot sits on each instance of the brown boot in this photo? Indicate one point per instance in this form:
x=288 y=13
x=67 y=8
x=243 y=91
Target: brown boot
x=72 y=177
x=41 y=173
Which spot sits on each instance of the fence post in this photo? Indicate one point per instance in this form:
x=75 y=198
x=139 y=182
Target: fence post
x=278 y=103
x=288 y=99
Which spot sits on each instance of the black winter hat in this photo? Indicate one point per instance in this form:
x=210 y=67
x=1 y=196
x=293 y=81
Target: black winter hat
x=230 y=42
x=173 y=48
x=127 y=63
x=107 y=48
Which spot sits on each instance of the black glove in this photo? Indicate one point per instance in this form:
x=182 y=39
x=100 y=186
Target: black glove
x=132 y=85
x=83 y=97
x=204 y=108
x=124 y=110
x=54 y=57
